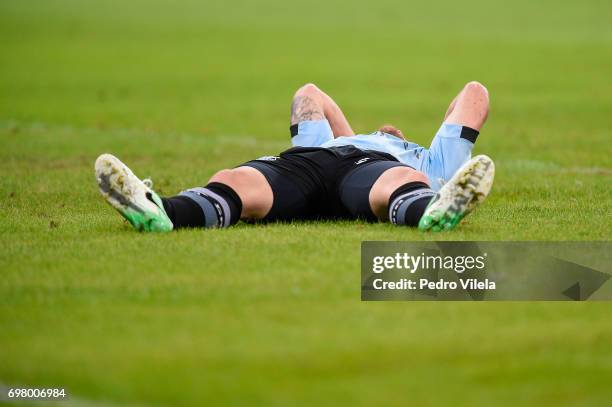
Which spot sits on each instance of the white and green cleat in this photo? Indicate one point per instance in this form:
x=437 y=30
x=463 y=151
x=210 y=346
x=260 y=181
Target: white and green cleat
x=458 y=197
x=134 y=200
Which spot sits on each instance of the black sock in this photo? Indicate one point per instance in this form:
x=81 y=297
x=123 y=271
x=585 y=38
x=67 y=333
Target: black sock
x=183 y=212
x=408 y=203
x=216 y=205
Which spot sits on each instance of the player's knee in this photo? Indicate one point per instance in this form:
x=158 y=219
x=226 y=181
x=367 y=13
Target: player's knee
x=252 y=188
x=404 y=176
x=224 y=177
x=418 y=176
x=236 y=178
x=388 y=183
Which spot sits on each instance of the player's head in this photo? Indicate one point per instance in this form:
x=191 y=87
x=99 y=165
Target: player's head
x=392 y=130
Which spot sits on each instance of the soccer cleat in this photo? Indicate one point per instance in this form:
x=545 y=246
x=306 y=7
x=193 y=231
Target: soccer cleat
x=134 y=200
x=458 y=197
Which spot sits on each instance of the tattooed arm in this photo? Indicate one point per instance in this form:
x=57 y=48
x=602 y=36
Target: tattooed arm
x=305 y=108
x=311 y=103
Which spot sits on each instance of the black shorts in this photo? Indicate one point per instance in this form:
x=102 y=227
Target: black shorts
x=323 y=183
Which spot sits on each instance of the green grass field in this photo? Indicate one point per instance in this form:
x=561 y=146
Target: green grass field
x=271 y=315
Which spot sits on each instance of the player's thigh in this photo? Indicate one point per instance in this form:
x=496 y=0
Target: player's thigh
x=251 y=186
x=287 y=199
x=471 y=108
x=365 y=191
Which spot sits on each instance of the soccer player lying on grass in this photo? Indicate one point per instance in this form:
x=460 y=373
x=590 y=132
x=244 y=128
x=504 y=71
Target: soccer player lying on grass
x=330 y=173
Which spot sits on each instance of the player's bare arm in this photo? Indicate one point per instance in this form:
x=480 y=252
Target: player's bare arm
x=304 y=108
x=311 y=103
x=470 y=107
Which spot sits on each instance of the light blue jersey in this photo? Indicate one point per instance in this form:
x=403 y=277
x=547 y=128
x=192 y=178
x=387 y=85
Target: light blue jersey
x=447 y=153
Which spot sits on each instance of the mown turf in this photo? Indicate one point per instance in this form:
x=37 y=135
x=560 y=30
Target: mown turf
x=271 y=314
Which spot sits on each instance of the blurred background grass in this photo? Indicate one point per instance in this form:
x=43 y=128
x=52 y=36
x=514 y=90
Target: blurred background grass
x=271 y=315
